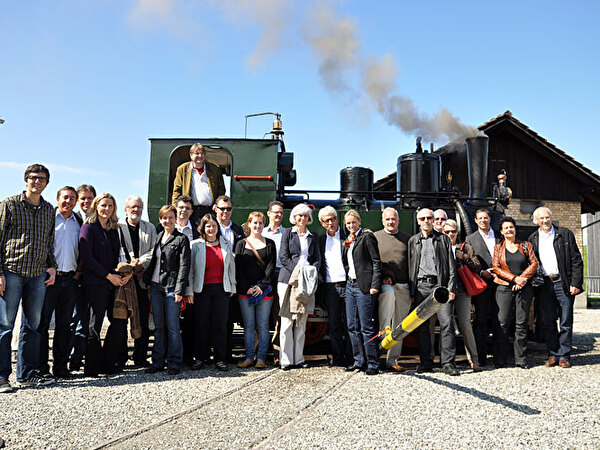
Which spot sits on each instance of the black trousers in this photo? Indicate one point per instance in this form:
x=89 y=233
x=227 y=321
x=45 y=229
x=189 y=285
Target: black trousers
x=188 y=329
x=60 y=299
x=341 y=347
x=211 y=311
x=486 y=310
x=99 y=358
x=513 y=307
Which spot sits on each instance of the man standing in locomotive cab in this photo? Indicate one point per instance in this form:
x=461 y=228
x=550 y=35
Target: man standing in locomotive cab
x=232 y=232
x=562 y=267
x=138 y=236
x=394 y=299
x=200 y=180
x=333 y=287
x=431 y=264
x=274 y=231
x=483 y=241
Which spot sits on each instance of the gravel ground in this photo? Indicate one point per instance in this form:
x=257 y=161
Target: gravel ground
x=320 y=407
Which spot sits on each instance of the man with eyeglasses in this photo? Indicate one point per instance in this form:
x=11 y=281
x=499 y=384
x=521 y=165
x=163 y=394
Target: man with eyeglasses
x=27 y=267
x=333 y=288
x=439 y=219
x=431 y=264
x=138 y=236
x=199 y=179
x=232 y=232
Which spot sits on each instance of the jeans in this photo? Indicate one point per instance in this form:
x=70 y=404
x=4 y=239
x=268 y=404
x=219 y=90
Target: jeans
x=211 y=311
x=167 y=338
x=259 y=313
x=32 y=290
x=361 y=325
x=513 y=306
x=554 y=302
x=60 y=300
x=341 y=347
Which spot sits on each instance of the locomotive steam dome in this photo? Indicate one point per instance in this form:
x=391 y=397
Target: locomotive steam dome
x=353 y=179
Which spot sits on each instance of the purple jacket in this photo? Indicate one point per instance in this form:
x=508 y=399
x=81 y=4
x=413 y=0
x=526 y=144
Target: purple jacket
x=99 y=251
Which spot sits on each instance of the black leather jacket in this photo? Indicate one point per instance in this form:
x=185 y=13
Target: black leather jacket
x=174 y=262
x=445 y=266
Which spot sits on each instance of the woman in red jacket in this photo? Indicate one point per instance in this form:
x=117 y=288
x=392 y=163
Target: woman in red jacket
x=514 y=265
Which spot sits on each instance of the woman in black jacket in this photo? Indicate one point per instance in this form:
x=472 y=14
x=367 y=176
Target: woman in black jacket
x=363 y=268
x=255 y=259
x=167 y=276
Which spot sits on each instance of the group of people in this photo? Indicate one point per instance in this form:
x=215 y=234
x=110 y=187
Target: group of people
x=196 y=265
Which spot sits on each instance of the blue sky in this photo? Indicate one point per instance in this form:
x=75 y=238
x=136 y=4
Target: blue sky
x=83 y=85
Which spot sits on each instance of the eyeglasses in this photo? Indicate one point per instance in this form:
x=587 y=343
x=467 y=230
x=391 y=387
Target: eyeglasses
x=329 y=219
x=226 y=208
x=37 y=179
x=425 y=218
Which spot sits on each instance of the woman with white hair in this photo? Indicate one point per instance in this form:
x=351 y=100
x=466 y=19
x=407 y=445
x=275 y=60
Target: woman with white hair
x=299 y=246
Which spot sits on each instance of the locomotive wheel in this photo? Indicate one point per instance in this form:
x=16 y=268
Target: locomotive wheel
x=315 y=331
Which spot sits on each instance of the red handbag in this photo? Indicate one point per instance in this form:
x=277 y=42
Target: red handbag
x=474 y=285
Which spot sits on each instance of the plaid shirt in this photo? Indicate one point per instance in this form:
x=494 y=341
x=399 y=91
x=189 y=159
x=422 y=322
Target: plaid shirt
x=26 y=236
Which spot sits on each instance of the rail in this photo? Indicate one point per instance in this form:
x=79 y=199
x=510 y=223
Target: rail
x=592 y=286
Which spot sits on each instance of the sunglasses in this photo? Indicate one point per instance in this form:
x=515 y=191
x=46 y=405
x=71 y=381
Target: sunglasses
x=226 y=208
x=439 y=219
x=426 y=218
x=450 y=231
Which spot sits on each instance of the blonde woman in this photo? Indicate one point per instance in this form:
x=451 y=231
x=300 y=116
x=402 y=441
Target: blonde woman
x=99 y=247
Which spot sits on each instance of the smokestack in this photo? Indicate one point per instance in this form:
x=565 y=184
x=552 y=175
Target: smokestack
x=477 y=166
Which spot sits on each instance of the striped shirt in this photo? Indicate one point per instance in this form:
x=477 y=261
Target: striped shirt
x=26 y=236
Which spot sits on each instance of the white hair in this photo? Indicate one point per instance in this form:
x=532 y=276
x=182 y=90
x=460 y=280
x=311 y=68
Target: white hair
x=133 y=198
x=537 y=211
x=421 y=212
x=327 y=211
x=440 y=211
x=301 y=209
x=390 y=209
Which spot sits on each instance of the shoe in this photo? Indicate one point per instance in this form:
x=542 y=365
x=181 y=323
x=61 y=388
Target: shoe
x=371 y=371
x=552 y=361
x=74 y=366
x=424 y=369
x=62 y=373
x=476 y=367
x=154 y=369
x=197 y=365
x=499 y=365
x=449 y=369
x=141 y=364
x=302 y=365
x=173 y=371
x=36 y=380
x=221 y=366
x=523 y=366
x=260 y=364
x=396 y=368
x=287 y=367
x=352 y=368
x=5 y=386
x=565 y=364
x=245 y=364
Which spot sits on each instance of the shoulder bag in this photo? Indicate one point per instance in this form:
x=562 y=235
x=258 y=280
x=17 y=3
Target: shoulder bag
x=474 y=285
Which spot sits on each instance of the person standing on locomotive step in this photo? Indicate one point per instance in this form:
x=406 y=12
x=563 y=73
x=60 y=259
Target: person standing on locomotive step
x=138 y=237
x=200 y=180
x=562 y=267
x=394 y=299
x=64 y=293
x=333 y=287
x=27 y=267
x=483 y=241
x=431 y=264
